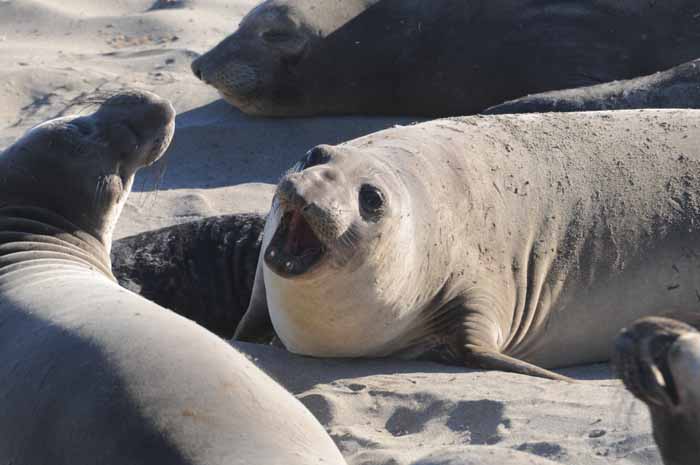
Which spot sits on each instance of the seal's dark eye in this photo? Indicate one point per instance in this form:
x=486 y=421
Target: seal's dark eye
x=371 y=201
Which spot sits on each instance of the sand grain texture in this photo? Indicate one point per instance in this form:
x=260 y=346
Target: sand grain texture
x=56 y=55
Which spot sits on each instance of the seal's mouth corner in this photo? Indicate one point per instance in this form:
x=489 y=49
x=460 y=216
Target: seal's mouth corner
x=295 y=249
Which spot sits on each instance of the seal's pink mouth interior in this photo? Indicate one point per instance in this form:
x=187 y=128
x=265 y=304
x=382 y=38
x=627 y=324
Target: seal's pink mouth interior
x=300 y=236
x=295 y=248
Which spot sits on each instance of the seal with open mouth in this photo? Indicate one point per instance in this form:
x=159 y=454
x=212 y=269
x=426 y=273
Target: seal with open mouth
x=499 y=242
x=91 y=372
x=658 y=359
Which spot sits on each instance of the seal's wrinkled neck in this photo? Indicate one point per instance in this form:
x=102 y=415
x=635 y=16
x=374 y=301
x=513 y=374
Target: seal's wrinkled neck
x=31 y=233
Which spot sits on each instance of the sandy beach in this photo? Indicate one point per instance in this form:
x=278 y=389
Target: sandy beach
x=55 y=57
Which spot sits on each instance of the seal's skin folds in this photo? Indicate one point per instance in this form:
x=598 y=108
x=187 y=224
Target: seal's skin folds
x=515 y=242
x=438 y=57
x=91 y=372
x=658 y=359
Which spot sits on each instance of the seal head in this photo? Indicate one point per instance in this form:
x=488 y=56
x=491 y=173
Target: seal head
x=129 y=130
x=337 y=225
x=658 y=359
x=268 y=66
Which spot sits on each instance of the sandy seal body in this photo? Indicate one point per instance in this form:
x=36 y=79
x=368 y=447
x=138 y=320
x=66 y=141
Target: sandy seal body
x=93 y=373
x=438 y=58
x=514 y=242
x=678 y=87
x=659 y=361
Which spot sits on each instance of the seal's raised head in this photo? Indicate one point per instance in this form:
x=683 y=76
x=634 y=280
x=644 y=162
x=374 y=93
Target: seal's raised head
x=82 y=167
x=339 y=221
x=331 y=209
x=659 y=361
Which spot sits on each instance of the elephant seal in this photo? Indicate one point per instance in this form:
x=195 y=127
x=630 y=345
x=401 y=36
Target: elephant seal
x=514 y=242
x=93 y=373
x=203 y=270
x=658 y=359
x=678 y=87
x=438 y=58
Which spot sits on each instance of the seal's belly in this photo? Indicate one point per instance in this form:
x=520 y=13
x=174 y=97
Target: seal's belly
x=590 y=313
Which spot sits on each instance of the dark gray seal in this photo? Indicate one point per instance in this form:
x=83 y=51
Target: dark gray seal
x=678 y=87
x=439 y=57
x=203 y=270
x=91 y=372
x=516 y=242
x=658 y=359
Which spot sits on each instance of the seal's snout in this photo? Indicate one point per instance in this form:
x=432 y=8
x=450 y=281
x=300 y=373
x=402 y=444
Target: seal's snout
x=149 y=118
x=289 y=195
x=196 y=67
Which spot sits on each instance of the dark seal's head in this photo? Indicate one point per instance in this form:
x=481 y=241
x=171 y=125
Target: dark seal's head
x=270 y=65
x=658 y=359
x=82 y=167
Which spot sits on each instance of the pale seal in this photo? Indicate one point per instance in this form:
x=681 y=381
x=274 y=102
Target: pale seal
x=203 y=270
x=678 y=87
x=92 y=373
x=438 y=58
x=515 y=242
x=658 y=359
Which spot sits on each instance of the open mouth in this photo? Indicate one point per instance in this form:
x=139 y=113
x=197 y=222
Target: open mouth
x=294 y=249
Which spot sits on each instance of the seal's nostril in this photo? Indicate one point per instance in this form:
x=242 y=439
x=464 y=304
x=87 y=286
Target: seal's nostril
x=316 y=156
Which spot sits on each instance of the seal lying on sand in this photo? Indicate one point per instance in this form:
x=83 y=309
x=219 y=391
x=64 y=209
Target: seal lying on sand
x=659 y=361
x=677 y=87
x=203 y=270
x=438 y=58
x=93 y=373
x=515 y=242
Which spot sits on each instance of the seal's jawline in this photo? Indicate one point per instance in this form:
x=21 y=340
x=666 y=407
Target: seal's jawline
x=295 y=249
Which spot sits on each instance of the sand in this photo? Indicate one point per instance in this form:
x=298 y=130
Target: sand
x=55 y=55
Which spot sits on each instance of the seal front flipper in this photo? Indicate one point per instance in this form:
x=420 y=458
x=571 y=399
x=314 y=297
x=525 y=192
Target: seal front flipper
x=489 y=359
x=479 y=352
x=256 y=326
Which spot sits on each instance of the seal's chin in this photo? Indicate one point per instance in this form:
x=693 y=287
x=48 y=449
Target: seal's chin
x=295 y=249
x=644 y=368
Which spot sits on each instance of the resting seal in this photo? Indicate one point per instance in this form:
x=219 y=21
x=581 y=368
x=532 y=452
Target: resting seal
x=438 y=58
x=659 y=361
x=678 y=87
x=203 y=270
x=93 y=373
x=515 y=242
